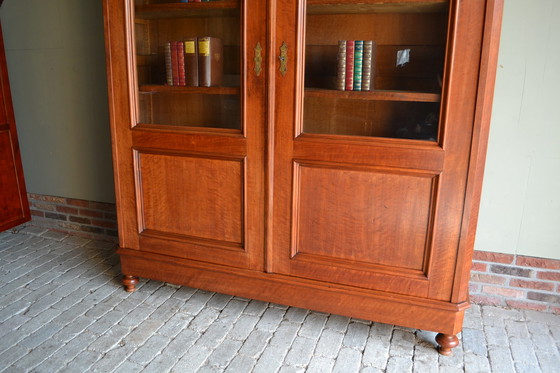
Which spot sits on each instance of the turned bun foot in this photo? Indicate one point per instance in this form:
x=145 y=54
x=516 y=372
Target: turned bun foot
x=129 y=283
x=446 y=343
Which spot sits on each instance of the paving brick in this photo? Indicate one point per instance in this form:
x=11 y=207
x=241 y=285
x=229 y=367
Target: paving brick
x=231 y=312
x=160 y=364
x=215 y=334
x=285 y=334
x=476 y=363
x=295 y=314
x=175 y=324
x=399 y=364
x=329 y=343
x=109 y=339
x=255 y=308
x=128 y=367
x=522 y=351
x=301 y=352
x=348 y=360
x=496 y=336
x=356 y=336
x=243 y=327
x=320 y=364
x=181 y=343
x=474 y=341
x=402 y=343
x=270 y=319
x=313 y=325
x=204 y=319
x=140 y=335
x=241 y=363
x=376 y=352
x=153 y=346
x=425 y=358
x=500 y=359
x=224 y=353
x=192 y=360
x=255 y=343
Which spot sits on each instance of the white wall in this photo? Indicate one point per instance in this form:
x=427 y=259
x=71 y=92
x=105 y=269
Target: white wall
x=520 y=209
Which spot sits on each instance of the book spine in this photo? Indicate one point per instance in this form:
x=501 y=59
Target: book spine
x=210 y=62
x=368 y=69
x=168 y=64
x=181 y=63
x=174 y=63
x=358 y=60
x=341 y=59
x=191 y=62
x=349 y=65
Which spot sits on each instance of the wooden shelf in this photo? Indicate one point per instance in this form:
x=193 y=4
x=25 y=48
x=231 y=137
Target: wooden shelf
x=152 y=88
x=185 y=10
x=376 y=6
x=379 y=95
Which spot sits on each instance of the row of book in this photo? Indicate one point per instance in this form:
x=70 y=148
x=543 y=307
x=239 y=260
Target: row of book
x=356 y=65
x=197 y=1
x=194 y=62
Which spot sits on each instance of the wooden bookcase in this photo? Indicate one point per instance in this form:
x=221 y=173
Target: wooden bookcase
x=275 y=185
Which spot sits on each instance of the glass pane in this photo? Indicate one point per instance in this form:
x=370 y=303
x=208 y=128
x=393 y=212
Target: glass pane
x=378 y=71
x=188 y=63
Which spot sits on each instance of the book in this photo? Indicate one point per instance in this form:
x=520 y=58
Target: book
x=341 y=61
x=358 y=59
x=191 y=61
x=168 y=68
x=174 y=63
x=349 y=65
x=181 y=63
x=368 y=65
x=210 y=61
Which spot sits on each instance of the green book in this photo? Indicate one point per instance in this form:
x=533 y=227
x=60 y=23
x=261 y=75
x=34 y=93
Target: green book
x=358 y=58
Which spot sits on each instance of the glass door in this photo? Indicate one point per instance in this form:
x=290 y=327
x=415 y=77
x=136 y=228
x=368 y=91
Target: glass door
x=370 y=160
x=190 y=147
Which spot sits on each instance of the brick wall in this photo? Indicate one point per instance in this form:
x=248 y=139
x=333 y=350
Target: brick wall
x=516 y=281
x=88 y=219
x=496 y=279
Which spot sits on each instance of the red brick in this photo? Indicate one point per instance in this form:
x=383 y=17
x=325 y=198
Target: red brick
x=91 y=213
x=102 y=206
x=77 y=202
x=104 y=223
x=77 y=219
x=474 y=288
x=543 y=297
x=41 y=197
x=528 y=261
x=44 y=206
x=72 y=226
x=37 y=213
x=488 y=279
x=553 y=276
x=486 y=256
x=539 y=285
x=480 y=267
x=555 y=310
x=526 y=305
x=510 y=293
x=67 y=210
x=111 y=216
x=483 y=299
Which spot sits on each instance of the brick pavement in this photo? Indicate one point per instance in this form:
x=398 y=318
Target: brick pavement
x=62 y=309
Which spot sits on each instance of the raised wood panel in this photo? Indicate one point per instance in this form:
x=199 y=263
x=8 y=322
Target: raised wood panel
x=362 y=215
x=191 y=196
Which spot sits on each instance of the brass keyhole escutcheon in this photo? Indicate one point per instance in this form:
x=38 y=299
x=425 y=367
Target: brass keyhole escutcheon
x=283 y=58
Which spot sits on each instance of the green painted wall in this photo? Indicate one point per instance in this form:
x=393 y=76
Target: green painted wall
x=56 y=61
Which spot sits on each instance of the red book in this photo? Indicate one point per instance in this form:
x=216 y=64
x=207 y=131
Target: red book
x=181 y=63
x=174 y=63
x=349 y=65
